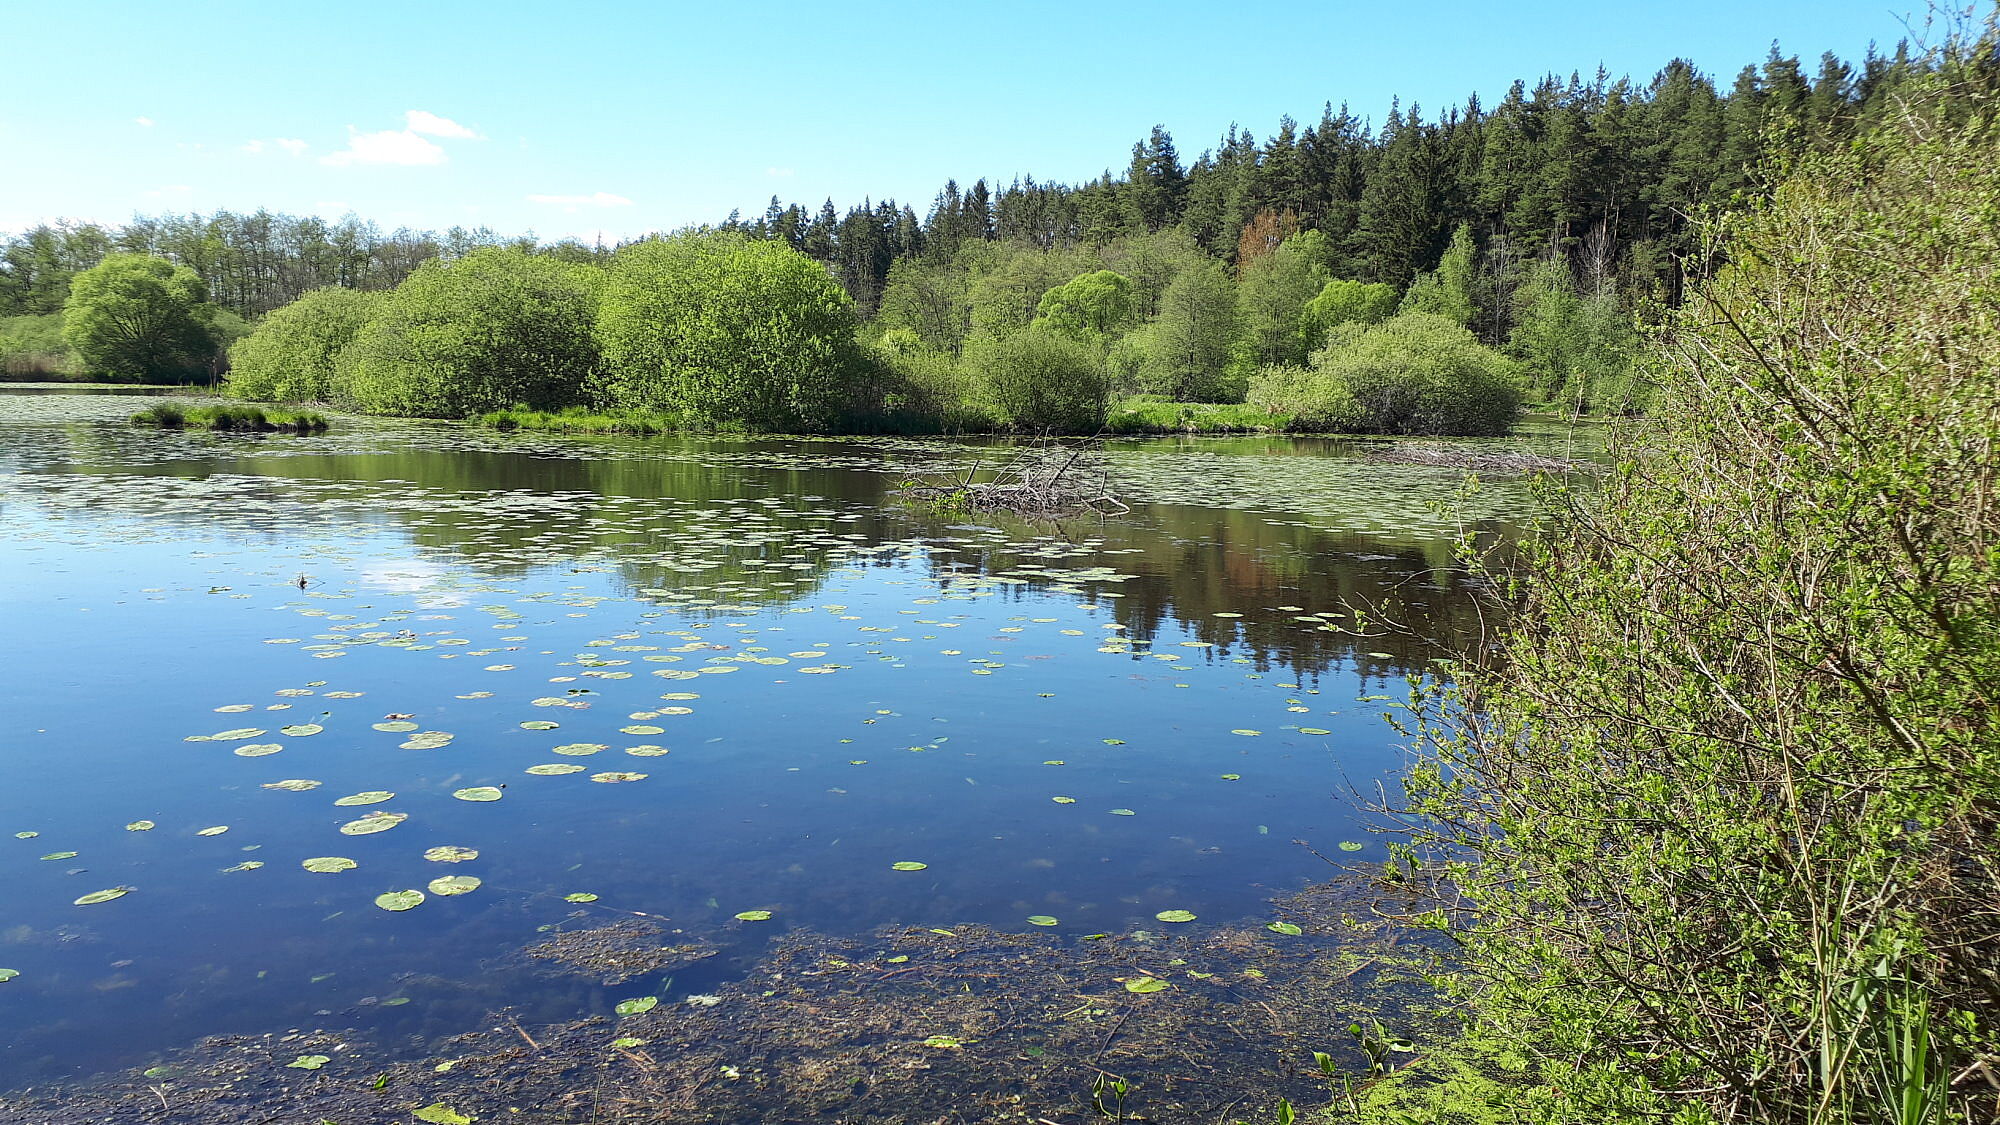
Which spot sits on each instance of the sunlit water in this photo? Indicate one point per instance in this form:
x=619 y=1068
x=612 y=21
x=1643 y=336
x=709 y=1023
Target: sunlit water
x=764 y=680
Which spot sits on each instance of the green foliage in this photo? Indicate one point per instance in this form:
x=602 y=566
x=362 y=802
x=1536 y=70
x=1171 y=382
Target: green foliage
x=1344 y=302
x=1414 y=374
x=931 y=298
x=730 y=330
x=1150 y=414
x=32 y=347
x=1273 y=293
x=923 y=390
x=1313 y=403
x=1008 y=281
x=579 y=420
x=1040 y=380
x=293 y=354
x=496 y=328
x=1448 y=290
x=1091 y=308
x=1191 y=351
x=1721 y=812
x=1578 y=352
x=137 y=317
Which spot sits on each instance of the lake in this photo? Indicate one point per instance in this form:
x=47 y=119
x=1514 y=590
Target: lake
x=732 y=686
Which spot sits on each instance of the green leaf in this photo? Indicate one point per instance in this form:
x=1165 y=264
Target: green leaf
x=309 y=1062
x=637 y=1005
x=8 y=974
x=438 y=1113
x=903 y=865
x=754 y=916
x=399 y=901
x=449 y=885
x=478 y=793
x=95 y=897
x=1144 y=985
x=1174 y=916
x=1041 y=919
x=1284 y=928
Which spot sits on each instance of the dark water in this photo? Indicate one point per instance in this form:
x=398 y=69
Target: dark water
x=1092 y=721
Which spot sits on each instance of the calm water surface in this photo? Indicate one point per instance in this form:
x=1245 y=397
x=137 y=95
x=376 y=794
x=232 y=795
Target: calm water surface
x=764 y=680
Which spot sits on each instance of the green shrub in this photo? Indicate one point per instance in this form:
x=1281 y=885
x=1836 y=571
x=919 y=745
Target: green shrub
x=1718 y=820
x=1417 y=373
x=292 y=354
x=919 y=389
x=495 y=328
x=1040 y=380
x=731 y=330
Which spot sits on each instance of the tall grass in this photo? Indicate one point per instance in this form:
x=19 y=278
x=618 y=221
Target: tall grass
x=244 y=419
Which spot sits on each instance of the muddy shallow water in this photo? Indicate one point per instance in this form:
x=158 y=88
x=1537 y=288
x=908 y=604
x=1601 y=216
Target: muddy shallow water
x=727 y=689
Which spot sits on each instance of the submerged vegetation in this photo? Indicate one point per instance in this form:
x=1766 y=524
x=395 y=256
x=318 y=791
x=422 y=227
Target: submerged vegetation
x=1715 y=831
x=249 y=419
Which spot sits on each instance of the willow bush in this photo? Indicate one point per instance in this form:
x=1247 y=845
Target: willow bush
x=1715 y=826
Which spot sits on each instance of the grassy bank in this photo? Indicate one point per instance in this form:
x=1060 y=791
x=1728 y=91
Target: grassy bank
x=1153 y=414
x=242 y=419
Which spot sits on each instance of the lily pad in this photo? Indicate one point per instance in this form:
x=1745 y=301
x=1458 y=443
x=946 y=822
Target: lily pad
x=292 y=784
x=438 y=1113
x=301 y=730
x=1284 y=928
x=451 y=853
x=309 y=1062
x=449 y=885
x=539 y=724
x=908 y=865
x=1041 y=919
x=400 y=900
x=1144 y=985
x=1063 y=800
x=1123 y=812
x=580 y=749
x=258 y=749
x=478 y=793
x=237 y=735
x=948 y=1042
x=212 y=830
x=328 y=864
x=1351 y=845
x=377 y=821
x=637 y=1005
x=369 y=797
x=1174 y=916
x=580 y=896
x=555 y=769
x=396 y=727
x=641 y=729
x=610 y=777
x=141 y=826
x=95 y=897
x=754 y=916
x=8 y=974
x=61 y=855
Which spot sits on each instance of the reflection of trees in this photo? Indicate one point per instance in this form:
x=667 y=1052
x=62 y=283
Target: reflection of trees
x=1194 y=563
x=662 y=521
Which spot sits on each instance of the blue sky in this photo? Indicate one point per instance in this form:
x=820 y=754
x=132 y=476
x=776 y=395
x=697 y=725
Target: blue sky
x=622 y=117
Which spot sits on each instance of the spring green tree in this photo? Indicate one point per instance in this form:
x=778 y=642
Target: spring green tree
x=133 y=316
x=1447 y=291
x=1577 y=350
x=292 y=355
x=1273 y=292
x=1094 y=307
x=1191 y=346
x=723 y=329
x=495 y=329
x=1416 y=373
x=1344 y=302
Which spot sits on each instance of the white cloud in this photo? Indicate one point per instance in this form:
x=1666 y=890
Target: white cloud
x=253 y=146
x=145 y=121
x=292 y=145
x=422 y=121
x=594 y=199
x=390 y=146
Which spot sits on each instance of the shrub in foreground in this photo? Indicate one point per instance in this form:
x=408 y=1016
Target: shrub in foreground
x=1718 y=824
